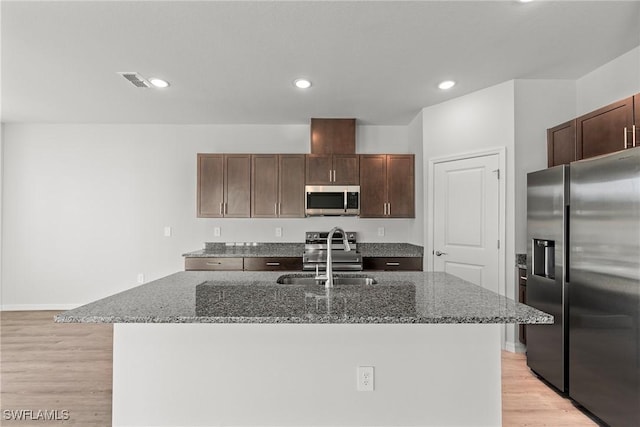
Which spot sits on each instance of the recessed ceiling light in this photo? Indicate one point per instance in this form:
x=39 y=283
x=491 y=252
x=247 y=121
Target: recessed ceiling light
x=159 y=82
x=302 y=83
x=447 y=84
x=525 y=1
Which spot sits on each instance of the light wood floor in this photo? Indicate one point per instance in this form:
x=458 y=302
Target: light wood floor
x=53 y=366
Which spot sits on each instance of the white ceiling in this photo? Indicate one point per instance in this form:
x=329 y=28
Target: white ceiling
x=234 y=62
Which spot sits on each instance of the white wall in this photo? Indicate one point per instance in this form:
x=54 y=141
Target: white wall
x=539 y=105
x=613 y=81
x=481 y=120
x=415 y=136
x=85 y=205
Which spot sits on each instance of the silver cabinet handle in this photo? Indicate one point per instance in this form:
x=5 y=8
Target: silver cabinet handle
x=334 y=175
x=273 y=263
x=213 y=263
x=384 y=209
x=389 y=209
x=279 y=208
x=625 y=137
x=393 y=263
x=330 y=179
x=438 y=253
x=633 y=135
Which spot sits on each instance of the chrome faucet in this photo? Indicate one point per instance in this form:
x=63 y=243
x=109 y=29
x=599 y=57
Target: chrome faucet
x=347 y=248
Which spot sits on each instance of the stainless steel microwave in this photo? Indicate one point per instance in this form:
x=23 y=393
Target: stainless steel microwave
x=332 y=200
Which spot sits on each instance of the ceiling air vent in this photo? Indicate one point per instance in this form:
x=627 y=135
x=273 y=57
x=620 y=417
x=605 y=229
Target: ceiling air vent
x=135 y=79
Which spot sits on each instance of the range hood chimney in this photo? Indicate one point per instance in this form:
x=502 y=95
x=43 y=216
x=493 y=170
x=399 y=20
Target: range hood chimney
x=333 y=136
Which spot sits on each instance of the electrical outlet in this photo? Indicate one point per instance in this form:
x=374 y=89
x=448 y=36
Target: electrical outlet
x=141 y=278
x=380 y=231
x=167 y=231
x=278 y=231
x=216 y=231
x=365 y=378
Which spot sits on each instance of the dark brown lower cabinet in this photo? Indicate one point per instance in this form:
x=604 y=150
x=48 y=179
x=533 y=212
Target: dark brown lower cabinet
x=522 y=297
x=392 y=263
x=246 y=264
x=272 y=263
x=223 y=263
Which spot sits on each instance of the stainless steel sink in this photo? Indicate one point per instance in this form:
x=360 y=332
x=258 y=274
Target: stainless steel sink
x=361 y=279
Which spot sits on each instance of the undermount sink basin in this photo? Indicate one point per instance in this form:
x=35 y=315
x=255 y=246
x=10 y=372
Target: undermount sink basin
x=338 y=279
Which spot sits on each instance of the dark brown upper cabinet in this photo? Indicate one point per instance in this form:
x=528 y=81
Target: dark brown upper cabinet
x=387 y=186
x=277 y=185
x=636 y=121
x=332 y=169
x=605 y=130
x=224 y=184
x=561 y=144
x=333 y=136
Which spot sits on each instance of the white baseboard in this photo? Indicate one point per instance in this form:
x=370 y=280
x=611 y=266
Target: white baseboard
x=515 y=347
x=37 y=307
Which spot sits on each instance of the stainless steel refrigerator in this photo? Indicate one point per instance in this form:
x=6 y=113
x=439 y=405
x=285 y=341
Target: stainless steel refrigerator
x=547 y=232
x=604 y=276
x=583 y=226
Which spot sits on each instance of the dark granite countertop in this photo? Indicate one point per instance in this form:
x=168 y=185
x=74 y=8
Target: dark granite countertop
x=254 y=297
x=223 y=250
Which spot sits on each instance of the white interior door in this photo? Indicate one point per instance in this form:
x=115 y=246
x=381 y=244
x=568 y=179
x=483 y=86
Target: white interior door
x=466 y=219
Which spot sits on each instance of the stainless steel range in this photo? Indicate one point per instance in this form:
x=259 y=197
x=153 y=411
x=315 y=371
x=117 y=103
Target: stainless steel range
x=315 y=252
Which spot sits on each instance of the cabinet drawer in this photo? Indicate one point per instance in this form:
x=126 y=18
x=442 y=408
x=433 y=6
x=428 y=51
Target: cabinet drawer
x=213 y=263
x=271 y=264
x=392 y=263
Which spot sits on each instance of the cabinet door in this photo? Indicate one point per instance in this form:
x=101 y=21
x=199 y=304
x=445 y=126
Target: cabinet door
x=400 y=186
x=561 y=144
x=345 y=169
x=264 y=185
x=291 y=185
x=333 y=136
x=319 y=169
x=210 y=185
x=603 y=131
x=373 y=178
x=228 y=264
x=237 y=188
x=392 y=263
x=272 y=263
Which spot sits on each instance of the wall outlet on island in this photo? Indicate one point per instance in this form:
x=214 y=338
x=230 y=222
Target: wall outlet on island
x=278 y=231
x=216 y=231
x=365 y=378
x=141 y=278
x=380 y=231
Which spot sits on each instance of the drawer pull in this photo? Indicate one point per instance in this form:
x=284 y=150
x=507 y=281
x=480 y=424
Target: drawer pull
x=213 y=263
x=523 y=277
x=273 y=263
x=395 y=264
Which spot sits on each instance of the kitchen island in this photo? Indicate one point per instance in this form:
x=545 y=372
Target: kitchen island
x=204 y=348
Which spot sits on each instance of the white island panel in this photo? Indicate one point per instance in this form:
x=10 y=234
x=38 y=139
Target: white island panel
x=305 y=374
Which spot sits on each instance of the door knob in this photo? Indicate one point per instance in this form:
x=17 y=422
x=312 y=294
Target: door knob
x=438 y=253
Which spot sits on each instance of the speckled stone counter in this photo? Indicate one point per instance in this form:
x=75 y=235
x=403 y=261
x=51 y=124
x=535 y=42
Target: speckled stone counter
x=221 y=250
x=390 y=250
x=255 y=297
x=521 y=261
